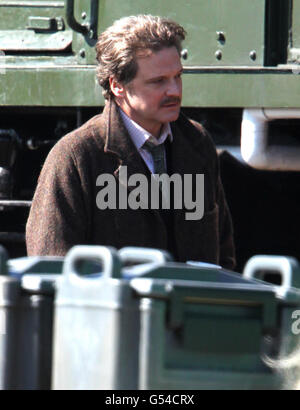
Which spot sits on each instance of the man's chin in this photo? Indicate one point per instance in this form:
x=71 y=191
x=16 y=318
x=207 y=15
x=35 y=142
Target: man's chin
x=172 y=114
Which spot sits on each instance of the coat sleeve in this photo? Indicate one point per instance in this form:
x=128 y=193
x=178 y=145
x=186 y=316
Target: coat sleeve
x=58 y=218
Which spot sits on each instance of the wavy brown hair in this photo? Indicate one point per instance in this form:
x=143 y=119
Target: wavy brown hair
x=120 y=44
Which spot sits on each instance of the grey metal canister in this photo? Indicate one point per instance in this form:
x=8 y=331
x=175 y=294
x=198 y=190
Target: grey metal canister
x=26 y=314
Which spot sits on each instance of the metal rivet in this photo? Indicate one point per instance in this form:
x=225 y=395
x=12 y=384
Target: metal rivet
x=83 y=15
x=252 y=55
x=221 y=37
x=218 y=55
x=82 y=53
x=184 y=54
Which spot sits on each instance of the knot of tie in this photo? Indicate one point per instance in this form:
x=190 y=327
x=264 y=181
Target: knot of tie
x=158 y=156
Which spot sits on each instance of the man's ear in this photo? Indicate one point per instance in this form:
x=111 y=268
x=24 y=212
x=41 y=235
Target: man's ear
x=116 y=87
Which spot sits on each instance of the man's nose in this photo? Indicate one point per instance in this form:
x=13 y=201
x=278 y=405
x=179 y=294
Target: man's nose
x=174 y=88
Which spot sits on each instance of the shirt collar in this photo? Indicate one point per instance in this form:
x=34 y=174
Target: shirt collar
x=139 y=135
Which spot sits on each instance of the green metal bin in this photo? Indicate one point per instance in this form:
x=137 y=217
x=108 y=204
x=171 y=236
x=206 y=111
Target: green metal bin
x=164 y=325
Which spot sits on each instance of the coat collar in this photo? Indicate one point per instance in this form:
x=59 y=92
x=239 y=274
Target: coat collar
x=188 y=149
x=188 y=143
x=118 y=142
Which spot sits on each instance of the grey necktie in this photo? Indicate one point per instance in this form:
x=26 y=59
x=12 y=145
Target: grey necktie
x=158 y=155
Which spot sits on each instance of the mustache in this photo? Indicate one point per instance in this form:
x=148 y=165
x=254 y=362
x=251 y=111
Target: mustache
x=171 y=100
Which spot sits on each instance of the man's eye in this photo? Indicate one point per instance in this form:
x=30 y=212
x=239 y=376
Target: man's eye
x=157 y=80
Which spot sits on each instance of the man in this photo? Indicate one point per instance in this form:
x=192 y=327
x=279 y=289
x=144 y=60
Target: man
x=139 y=69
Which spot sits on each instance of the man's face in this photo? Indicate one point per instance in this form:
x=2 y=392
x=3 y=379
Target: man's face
x=153 y=97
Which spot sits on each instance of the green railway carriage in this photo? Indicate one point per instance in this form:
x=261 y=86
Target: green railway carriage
x=241 y=79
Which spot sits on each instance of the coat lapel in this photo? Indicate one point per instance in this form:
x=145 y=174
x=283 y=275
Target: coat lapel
x=119 y=143
x=188 y=157
x=186 y=149
x=148 y=222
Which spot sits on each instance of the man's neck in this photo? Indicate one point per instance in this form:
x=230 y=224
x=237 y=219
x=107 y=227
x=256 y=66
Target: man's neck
x=139 y=135
x=154 y=130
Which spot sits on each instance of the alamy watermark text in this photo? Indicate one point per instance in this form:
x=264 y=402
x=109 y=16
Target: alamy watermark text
x=165 y=191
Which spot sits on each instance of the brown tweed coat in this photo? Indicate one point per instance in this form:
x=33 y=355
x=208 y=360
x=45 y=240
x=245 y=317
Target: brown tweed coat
x=64 y=211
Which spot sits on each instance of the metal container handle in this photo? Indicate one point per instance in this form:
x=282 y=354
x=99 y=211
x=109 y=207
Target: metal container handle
x=107 y=256
x=284 y=265
x=144 y=255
